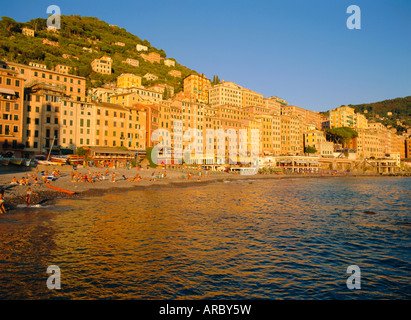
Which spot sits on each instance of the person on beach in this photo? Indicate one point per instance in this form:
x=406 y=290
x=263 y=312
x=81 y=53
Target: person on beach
x=29 y=193
x=2 y=209
x=36 y=181
x=14 y=181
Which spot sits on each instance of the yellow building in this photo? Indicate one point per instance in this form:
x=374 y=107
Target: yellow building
x=128 y=80
x=342 y=117
x=102 y=65
x=43 y=116
x=316 y=139
x=369 y=144
x=361 y=121
x=62 y=68
x=77 y=124
x=117 y=126
x=74 y=86
x=274 y=104
x=198 y=86
x=291 y=135
x=252 y=98
x=27 y=32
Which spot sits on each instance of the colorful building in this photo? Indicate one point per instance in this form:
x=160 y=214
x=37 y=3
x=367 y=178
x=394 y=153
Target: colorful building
x=102 y=65
x=198 y=86
x=11 y=110
x=128 y=80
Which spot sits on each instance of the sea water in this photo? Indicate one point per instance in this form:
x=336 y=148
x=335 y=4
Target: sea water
x=265 y=239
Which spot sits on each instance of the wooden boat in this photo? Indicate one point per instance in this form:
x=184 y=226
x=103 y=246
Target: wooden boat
x=59 y=189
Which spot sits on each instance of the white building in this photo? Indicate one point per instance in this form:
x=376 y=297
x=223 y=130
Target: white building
x=140 y=47
x=169 y=63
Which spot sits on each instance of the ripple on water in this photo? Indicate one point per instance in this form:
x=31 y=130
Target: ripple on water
x=272 y=239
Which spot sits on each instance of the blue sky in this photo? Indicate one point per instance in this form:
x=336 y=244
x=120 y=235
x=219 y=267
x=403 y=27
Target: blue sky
x=299 y=50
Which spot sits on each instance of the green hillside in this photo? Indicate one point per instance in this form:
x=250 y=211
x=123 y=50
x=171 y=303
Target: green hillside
x=77 y=32
x=377 y=111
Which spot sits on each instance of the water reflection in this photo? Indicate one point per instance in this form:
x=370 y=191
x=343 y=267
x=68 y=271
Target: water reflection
x=266 y=239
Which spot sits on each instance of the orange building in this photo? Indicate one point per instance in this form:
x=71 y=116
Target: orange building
x=74 y=86
x=151 y=57
x=11 y=110
x=198 y=86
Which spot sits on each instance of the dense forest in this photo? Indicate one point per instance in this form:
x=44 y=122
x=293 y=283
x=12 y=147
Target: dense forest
x=77 y=32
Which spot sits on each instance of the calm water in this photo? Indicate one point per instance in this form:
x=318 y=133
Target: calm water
x=276 y=239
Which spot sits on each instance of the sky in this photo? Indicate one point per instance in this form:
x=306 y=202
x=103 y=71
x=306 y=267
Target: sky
x=298 y=50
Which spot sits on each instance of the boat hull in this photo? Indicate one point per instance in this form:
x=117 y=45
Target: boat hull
x=59 y=189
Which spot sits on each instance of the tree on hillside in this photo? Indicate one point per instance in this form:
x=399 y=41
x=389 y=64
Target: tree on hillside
x=9 y=25
x=38 y=24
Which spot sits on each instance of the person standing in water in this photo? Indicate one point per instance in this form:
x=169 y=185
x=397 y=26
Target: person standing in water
x=29 y=193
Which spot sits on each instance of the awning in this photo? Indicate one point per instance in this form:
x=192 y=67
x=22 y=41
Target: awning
x=7 y=91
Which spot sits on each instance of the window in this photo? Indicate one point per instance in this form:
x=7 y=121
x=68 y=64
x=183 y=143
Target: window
x=8 y=81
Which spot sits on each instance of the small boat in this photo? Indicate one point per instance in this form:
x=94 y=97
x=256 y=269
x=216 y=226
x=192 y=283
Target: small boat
x=59 y=189
x=4 y=161
x=16 y=161
x=59 y=159
x=27 y=162
x=45 y=162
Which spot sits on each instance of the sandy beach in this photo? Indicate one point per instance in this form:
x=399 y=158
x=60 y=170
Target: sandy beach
x=124 y=180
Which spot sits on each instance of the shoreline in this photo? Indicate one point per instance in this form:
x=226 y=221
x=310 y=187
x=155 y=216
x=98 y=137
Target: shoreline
x=14 y=193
